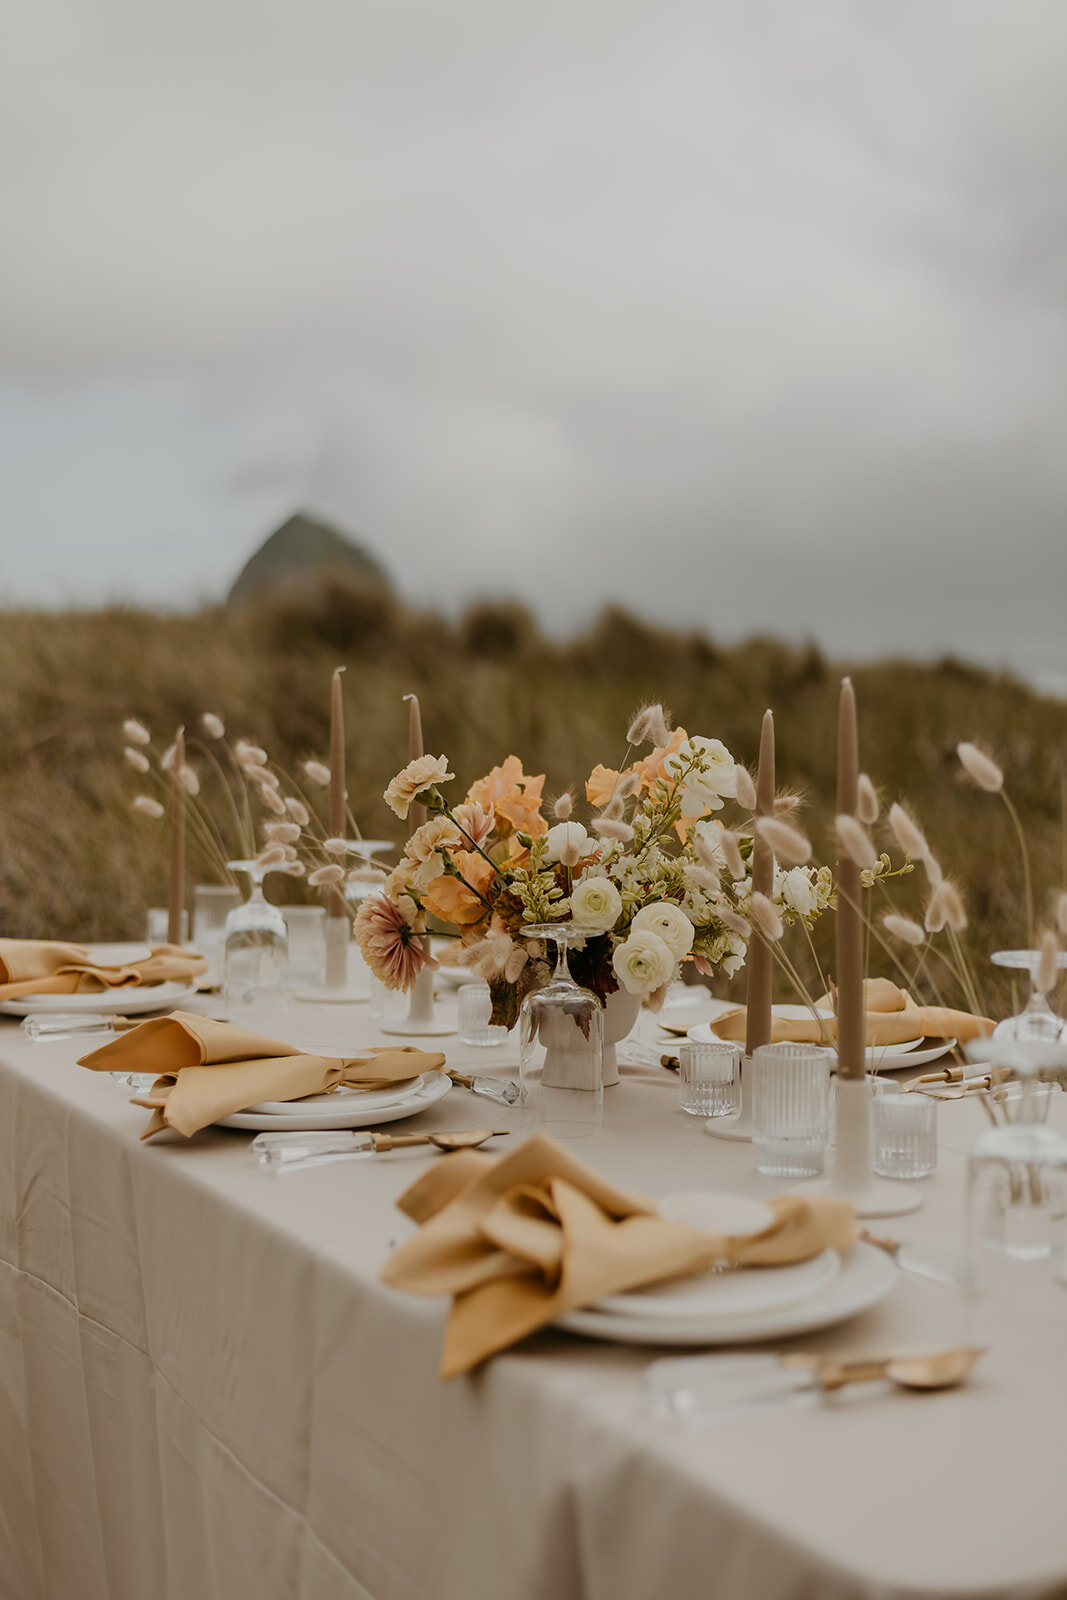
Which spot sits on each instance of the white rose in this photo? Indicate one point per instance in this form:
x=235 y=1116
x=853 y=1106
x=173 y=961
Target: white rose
x=642 y=963
x=717 y=776
x=798 y=892
x=669 y=923
x=567 y=842
x=596 y=903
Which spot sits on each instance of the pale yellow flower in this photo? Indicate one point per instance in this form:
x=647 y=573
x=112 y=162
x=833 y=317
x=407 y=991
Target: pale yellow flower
x=422 y=773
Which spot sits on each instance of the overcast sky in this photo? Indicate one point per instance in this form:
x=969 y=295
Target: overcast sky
x=749 y=314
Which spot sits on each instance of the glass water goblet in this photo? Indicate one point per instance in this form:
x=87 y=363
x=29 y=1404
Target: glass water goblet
x=1037 y=1020
x=257 y=945
x=561 y=1046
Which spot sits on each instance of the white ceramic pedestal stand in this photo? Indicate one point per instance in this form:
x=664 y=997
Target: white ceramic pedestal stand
x=739 y=1126
x=336 y=990
x=423 y=1017
x=852 y=1178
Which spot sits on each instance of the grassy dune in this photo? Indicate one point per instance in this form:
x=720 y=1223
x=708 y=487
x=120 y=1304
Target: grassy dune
x=74 y=860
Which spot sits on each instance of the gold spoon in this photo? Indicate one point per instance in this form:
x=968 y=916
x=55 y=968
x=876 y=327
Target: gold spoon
x=940 y=1369
x=469 y=1139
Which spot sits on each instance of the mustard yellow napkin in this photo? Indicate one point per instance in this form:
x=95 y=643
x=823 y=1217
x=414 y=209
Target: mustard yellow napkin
x=892 y=1018
x=206 y=1070
x=518 y=1241
x=42 y=966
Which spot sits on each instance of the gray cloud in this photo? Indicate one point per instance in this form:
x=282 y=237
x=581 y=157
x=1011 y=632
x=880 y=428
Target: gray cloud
x=747 y=313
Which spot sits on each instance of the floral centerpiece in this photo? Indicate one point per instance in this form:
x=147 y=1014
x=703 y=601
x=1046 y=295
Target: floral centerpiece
x=655 y=875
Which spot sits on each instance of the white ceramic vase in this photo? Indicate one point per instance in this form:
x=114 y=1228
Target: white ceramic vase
x=621 y=1011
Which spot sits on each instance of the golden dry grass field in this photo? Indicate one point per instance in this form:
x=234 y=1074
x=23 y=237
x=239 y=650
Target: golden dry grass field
x=76 y=862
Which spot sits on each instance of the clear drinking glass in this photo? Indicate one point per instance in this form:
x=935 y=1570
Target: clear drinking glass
x=790 y=1108
x=387 y=1005
x=561 y=1046
x=212 y=904
x=474 y=1004
x=709 y=1079
x=905 y=1133
x=257 y=945
x=306 y=926
x=157 y=926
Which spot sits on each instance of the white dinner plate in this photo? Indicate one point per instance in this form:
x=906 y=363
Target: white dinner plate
x=867 y=1274
x=354 y=1112
x=701 y=1033
x=131 y=1001
x=728 y=1295
x=912 y=1058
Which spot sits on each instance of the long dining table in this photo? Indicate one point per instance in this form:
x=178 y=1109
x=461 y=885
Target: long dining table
x=206 y=1392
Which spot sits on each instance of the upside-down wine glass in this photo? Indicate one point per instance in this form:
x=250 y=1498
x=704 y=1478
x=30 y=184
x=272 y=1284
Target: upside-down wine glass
x=561 y=1045
x=257 y=944
x=1037 y=1020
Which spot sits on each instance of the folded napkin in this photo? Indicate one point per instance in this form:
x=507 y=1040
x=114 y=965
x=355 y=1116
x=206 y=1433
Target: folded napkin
x=519 y=1240
x=206 y=1070
x=41 y=966
x=892 y=1018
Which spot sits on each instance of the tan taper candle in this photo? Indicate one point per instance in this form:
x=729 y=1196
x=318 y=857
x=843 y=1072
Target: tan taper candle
x=851 y=1027
x=338 y=821
x=176 y=890
x=416 y=813
x=760 y=963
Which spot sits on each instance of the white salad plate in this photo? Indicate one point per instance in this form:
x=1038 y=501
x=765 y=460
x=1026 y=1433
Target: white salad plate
x=736 y=1292
x=352 y=1110
x=131 y=1001
x=867 y=1274
x=118 y=955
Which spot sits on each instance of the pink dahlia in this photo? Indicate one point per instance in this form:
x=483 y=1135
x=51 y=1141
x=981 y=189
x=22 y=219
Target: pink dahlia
x=391 y=946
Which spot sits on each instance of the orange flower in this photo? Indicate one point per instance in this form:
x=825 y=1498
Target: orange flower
x=600 y=785
x=512 y=796
x=446 y=897
x=652 y=768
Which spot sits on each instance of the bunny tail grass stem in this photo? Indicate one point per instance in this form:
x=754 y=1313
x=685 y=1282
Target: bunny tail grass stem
x=1027 y=886
x=227 y=789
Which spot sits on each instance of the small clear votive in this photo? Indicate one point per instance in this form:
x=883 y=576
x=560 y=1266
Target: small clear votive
x=307 y=945
x=905 y=1134
x=212 y=904
x=157 y=926
x=474 y=1004
x=709 y=1079
x=790 y=1109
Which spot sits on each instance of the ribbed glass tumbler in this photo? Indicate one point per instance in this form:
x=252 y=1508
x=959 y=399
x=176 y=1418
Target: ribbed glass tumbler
x=709 y=1078
x=790 y=1109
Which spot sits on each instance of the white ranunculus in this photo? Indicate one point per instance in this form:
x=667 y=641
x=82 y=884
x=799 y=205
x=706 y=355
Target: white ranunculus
x=670 y=923
x=596 y=903
x=798 y=892
x=704 y=790
x=643 y=962
x=567 y=842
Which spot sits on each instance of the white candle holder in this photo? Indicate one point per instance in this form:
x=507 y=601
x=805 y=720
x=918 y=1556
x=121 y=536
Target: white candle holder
x=852 y=1177
x=337 y=988
x=422 y=1018
x=739 y=1127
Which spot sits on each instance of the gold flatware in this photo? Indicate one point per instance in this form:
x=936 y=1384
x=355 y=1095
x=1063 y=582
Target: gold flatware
x=938 y=1369
x=959 y=1075
x=469 y=1139
x=670 y=1062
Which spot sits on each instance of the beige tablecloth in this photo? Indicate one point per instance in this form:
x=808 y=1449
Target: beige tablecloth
x=206 y=1394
